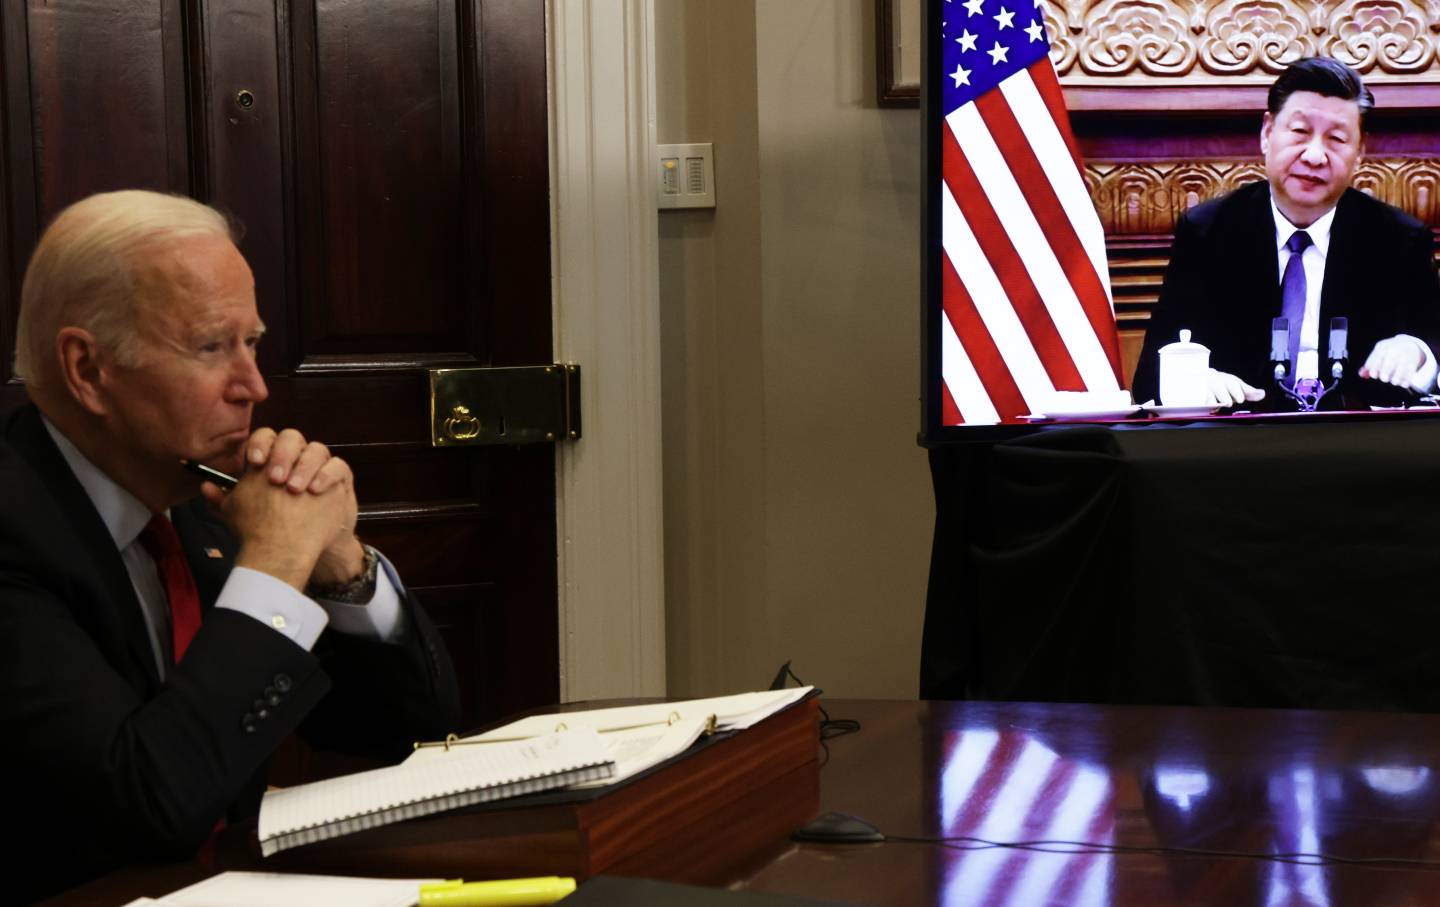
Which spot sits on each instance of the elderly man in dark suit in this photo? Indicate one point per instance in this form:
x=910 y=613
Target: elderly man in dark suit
x=156 y=645
x=1306 y=246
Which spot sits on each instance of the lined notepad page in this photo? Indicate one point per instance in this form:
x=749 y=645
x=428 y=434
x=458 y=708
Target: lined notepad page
x=462 y=776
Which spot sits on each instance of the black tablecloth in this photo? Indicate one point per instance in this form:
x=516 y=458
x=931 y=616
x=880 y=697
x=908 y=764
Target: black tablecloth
x=1289 y=565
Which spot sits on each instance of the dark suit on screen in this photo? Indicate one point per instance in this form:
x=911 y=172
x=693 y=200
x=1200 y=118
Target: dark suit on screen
x=1223 y=284
x=108 y=765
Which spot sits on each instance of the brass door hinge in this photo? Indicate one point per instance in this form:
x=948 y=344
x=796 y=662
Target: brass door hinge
x=534 y=404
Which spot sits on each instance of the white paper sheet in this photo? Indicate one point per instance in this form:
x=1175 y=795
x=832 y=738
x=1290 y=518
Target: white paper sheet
x=277 y=889
x=640 y=736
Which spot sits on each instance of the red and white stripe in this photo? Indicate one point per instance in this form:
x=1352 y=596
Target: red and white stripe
x=1008 y=786
x=1026 y=291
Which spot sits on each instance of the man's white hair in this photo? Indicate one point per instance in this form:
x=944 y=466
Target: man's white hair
x=84 y=272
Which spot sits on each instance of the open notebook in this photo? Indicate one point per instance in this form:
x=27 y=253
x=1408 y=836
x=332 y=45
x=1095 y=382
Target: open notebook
x=637 y=737
x=459 y=776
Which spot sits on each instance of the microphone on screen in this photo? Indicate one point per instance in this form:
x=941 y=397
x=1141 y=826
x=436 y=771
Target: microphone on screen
x=1280 y=346
x=1339 y=338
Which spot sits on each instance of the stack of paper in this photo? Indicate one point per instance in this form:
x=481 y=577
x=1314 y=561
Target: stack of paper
x=637 y=737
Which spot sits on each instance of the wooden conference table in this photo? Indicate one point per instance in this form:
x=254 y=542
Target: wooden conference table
x=1360 y=785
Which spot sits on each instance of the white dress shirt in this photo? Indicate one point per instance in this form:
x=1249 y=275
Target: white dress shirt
x=1312 y=259
x=273 y=602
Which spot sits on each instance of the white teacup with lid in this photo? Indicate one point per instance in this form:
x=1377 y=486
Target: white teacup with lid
x=1184 y=373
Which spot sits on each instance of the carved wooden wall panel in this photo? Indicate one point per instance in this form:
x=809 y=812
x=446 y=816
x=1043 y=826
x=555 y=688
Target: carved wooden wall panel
x=1148 y=197
x=1244 y=41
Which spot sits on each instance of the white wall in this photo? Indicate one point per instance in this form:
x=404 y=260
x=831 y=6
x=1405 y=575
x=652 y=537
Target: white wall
x=798 y=509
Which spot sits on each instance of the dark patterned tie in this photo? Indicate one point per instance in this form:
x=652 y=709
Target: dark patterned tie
x=1292 y=293
x=163 y=544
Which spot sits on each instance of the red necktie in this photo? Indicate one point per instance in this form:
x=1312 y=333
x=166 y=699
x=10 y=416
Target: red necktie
x=163 y=544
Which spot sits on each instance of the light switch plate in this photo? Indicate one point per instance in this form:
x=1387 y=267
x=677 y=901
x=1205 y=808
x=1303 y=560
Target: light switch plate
x=685 y=175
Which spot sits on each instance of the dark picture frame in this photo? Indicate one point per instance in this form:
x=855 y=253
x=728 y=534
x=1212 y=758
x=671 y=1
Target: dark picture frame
x=895 y=58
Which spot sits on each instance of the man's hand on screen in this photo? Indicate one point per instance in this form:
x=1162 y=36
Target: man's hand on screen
x=1228 y=390
x=1395 y=360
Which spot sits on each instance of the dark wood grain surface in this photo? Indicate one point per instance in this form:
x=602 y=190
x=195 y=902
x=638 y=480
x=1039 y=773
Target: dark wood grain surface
x=1362 y=785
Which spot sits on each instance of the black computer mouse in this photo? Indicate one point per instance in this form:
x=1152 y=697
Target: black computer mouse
x=838 y=828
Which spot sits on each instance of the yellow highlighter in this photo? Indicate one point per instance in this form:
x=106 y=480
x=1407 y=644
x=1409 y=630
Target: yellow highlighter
x=502 y=893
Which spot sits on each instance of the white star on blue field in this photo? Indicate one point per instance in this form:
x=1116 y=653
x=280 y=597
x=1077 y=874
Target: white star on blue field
x=986 y=42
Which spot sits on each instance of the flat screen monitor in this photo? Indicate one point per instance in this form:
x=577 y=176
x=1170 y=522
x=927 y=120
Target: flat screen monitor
x=1018 y=323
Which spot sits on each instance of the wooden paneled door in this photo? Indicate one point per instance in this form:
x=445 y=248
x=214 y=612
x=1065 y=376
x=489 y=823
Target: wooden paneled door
x=388 y=163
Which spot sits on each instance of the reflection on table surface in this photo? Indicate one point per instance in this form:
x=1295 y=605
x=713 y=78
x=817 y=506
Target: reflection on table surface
x=1351 y=784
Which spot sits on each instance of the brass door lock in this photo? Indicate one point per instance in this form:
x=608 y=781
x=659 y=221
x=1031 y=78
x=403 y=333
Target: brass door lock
x=525 y=405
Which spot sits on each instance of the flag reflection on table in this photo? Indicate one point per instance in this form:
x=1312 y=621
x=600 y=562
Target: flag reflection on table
x=1008 y=786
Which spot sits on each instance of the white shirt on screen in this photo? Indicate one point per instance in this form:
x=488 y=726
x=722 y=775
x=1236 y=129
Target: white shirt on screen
x=1307 y=364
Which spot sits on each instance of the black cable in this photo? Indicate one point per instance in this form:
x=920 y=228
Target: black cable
x=830 y=728
x=967 y=843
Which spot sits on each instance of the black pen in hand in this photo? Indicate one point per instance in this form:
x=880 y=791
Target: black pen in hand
x=226 y=482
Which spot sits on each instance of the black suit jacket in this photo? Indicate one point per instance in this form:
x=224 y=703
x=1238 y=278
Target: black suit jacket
x=1223 y=284
x=107 y=765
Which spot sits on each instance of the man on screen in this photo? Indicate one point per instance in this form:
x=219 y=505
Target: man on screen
x=1305 y=246
x=157 y=645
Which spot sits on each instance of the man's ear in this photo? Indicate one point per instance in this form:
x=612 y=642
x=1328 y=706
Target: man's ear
x=1266 y=124
x=81 y=369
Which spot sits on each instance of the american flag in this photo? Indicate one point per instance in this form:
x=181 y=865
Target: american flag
x=1026 y=293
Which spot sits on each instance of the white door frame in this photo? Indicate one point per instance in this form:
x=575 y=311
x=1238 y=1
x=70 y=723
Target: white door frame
x=605 y=267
